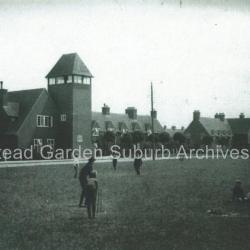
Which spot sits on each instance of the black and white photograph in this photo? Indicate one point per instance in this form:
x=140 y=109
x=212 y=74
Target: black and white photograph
x=125 y=125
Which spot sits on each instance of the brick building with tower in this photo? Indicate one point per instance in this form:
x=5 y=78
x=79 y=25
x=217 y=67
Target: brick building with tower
x=61 y=115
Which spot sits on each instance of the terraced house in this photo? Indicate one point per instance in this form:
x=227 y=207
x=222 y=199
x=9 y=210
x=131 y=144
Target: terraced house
x=120 y=124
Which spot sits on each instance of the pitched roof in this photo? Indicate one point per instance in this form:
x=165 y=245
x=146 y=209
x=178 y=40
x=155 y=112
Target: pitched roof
x=119 y=120
x=25 y=100
x=69 y=64
x=239 y=126
x=12 y=109
x=214 y=126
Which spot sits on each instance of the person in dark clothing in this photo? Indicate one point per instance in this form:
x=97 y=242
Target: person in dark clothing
x=83 y=175
x=138 y=164
x=114 y=161
x=238 y=193
x=91 y=194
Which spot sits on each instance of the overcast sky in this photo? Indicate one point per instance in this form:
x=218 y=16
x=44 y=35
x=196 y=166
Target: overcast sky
x=198 y=56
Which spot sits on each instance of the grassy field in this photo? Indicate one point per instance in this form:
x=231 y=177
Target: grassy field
x=164 y=208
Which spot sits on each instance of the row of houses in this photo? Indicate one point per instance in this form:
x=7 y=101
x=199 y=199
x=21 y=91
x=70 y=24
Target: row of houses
x=61 y=115
x=230 y=132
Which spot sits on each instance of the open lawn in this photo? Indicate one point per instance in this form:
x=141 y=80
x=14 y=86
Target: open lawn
x=164 y=208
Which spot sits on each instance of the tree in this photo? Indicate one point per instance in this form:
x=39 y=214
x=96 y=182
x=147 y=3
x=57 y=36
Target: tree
x=109 y=136
x=223 y=141
x=153 y=138
x=207 y=140
x=108 y=139
x=179 y=137
x=164 y=137
x=137 y=137
x=126 y=140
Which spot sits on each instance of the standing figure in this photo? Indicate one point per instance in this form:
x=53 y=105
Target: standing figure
x=83 y=175
x=238 y=193
x=91 y=194
x=76 y=165
x=138 y=163
x=114 y=161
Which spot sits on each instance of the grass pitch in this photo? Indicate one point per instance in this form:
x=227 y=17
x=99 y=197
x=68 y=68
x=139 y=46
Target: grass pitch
x=164 y=208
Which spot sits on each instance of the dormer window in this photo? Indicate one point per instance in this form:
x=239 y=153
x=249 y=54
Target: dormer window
x=86 y=80
x=70 y=79
x=52 y=81
x=77 y=79
x=60 y=80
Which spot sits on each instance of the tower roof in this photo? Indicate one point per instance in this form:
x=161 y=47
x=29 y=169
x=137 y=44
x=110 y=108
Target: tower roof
x=69 y=64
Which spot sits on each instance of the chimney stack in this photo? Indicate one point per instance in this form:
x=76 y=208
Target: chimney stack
x=216 y=116
x=3 y=95
x=105 y=109
x=196 y=115
x=131 y=112
x=173 y=127
x=242 y=116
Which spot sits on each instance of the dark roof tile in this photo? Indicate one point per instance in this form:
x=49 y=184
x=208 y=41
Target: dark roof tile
x=69 y=64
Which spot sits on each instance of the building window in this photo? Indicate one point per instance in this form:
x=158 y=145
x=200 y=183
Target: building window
x=38 y=144
x=39 y=120
x=60 y=80
x=77 y=79
x=52 y=81
x=86 y=80
x=79 y=138
x=96 y=132
x=44 y=121
x=63 y=118
x=51 y=142
x=70 y=79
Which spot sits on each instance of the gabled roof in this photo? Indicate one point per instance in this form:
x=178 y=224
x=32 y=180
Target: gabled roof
x=25 y=100
x=117 y=119
x=239 y=125
x=69 y=64
x=213 y=125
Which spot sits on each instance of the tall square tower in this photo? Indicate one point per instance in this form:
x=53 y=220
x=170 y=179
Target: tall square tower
x=69 y=84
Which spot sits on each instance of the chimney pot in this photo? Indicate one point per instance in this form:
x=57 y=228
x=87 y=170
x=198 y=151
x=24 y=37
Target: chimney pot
x=173 y=127
x=242 y=116
x=222 y=116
